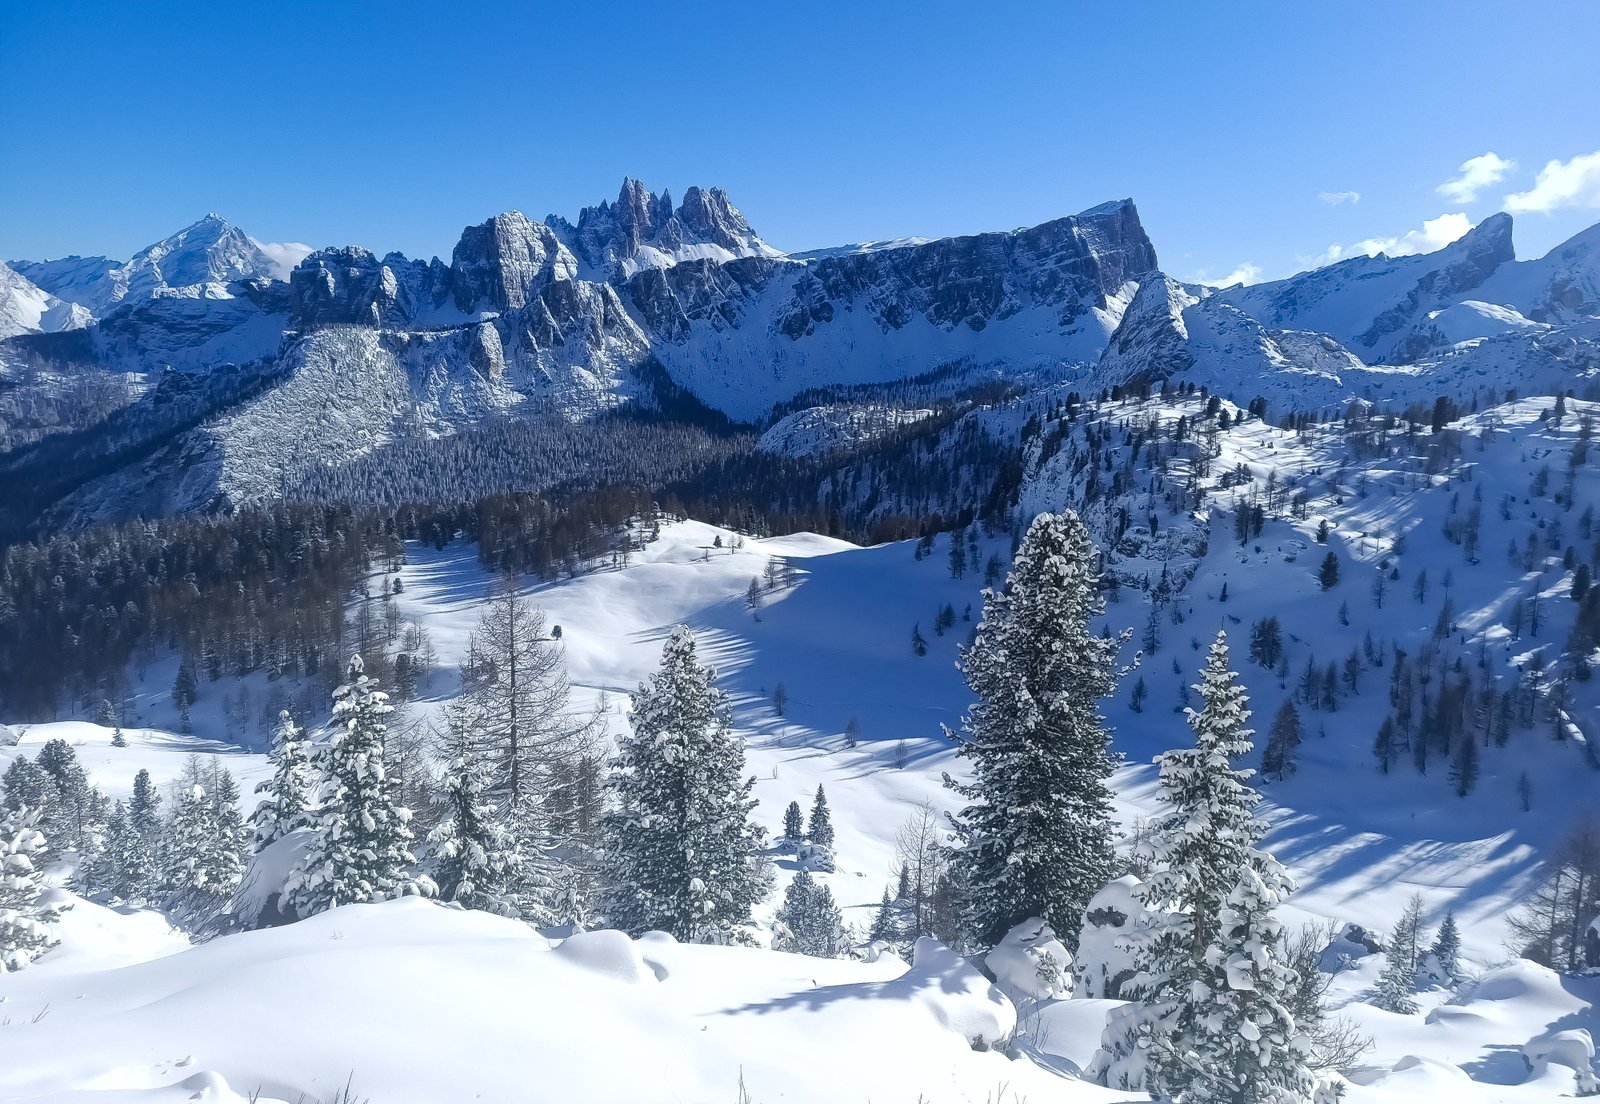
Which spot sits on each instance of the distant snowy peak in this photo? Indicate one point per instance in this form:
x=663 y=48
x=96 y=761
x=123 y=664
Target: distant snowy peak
x=641 y=230
x=199 y=261
x=26 y=308
x=1370 y=303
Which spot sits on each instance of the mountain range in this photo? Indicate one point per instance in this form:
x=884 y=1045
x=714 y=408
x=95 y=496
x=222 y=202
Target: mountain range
x=220 y=342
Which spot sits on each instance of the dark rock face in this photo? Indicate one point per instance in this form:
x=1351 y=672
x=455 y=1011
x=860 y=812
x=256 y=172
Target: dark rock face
x=503 y=264
x=350 y=286
x=1150 y=345
x=1071 y=265
x=670 y=300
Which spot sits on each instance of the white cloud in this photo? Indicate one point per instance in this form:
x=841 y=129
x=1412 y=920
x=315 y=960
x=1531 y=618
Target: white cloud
x=1246 y=273
x=284 y=256
x=1333 y=199
x=1477 y=173
x=1574 y=183
x=1435 y=234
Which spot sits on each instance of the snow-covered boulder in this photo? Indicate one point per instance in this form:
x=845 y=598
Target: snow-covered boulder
x=816 y=856
x=1105 y=955
x=9 y=737
x=1029 y=961
x=259 y=902
x=1352 y=944
x=955 y=994
x=608 y=952
x=1573 y=1048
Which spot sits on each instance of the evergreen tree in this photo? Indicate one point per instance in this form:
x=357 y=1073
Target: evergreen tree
x=1447 y=947
x=1328 y=573
x=288 y=802
x=144 y=811
x=361 y=842
x=127 y=868
x=475 y=860
x=197 y=879
x=1387 y=745
x=25 y=919
x=1283 y=742
x=1402 y=956
x=1036 y=839
x=794 y=823
x=820 y=831
x=232 y=839
x=24 y=785
x=887 y=925
x=681 y=854
x=810 y=921
x=1464 y=766
x=1212 y=1020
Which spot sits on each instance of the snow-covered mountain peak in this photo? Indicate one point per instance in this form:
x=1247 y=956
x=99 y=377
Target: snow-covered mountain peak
x=641 y=231
x=199 y=261
x=27 y=308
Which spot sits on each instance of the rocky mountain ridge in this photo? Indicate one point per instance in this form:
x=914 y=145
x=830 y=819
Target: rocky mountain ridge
x=644 y=303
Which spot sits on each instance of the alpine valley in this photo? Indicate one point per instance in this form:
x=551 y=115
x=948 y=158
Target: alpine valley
x=627 y=662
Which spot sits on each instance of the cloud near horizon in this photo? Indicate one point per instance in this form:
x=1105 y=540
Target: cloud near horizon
x=1245 y=273
x=1561 y=184
x=1435 y=234
x=1476 y=174
x=284 y=255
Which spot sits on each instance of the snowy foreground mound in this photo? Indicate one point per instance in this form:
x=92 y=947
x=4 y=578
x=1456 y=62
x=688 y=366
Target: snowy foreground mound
x=411 y=1001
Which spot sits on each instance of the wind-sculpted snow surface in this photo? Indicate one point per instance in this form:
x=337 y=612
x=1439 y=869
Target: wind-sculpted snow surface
x=602 y=1018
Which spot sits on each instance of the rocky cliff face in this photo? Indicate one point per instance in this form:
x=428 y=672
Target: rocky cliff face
x=642 y=231
x=506 y=262
x=575 y=318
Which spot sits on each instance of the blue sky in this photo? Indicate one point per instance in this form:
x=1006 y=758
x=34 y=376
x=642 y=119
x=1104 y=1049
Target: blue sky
x=1245 y=131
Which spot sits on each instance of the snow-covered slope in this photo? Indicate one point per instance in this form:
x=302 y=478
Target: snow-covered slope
x=1370 y=303
x=822 y=429
x=27 y=308
x=1358 y=842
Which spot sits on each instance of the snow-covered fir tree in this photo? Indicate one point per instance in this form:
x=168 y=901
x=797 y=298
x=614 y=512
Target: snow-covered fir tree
x=1036 y=838
x=287 y=805
x=888 y=925
x=1211 y=1020
x=810 y=922
x=681 y=854
x=820 y=829
x=475 y=861
x=1402 y=957
x=794 y=823
x=1447 y=947
x=26 y=917
x=204 y=860
x=361 y=841
x=127 y=869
